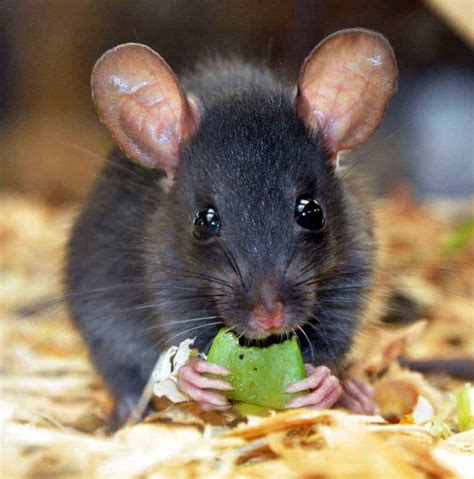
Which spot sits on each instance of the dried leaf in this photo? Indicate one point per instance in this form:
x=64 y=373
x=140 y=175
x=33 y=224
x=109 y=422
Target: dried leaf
x=165 y=373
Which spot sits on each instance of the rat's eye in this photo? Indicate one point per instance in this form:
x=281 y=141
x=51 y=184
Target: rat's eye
x=206 y=224
x=308 y=214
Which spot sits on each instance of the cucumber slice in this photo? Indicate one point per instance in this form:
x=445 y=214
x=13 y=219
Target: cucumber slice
x=259 y=376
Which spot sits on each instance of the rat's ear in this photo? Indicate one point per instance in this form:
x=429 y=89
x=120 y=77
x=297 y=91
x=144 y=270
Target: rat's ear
x=141 y=102
x=344 y=87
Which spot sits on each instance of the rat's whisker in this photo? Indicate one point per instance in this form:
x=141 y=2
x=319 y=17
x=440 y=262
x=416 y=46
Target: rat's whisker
x=113 y=321
x=186 y=331
x=231 y=259
x=309 y=342
x=193 y=274
x=365 y=155
x=322 y=331
x=183 y=321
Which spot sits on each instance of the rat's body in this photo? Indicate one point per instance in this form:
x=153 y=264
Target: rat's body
x=138 y=280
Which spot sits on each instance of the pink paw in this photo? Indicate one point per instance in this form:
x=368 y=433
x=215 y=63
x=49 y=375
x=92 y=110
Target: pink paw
x=192 y=382
x=357 y=396
x=324 y=389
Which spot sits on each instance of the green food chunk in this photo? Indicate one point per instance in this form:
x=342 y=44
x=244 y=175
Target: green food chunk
x=259 y=376
x=460 y=238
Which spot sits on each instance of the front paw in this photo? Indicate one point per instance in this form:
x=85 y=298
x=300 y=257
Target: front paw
x=357 y=396
x=324 y=389
x=192 y=382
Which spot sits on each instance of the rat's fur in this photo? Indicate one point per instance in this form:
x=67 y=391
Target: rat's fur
x=137 y=279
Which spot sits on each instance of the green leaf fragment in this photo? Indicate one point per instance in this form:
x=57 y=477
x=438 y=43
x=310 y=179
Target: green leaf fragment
x=465 y=407
x=460 y=238
x=259 y=376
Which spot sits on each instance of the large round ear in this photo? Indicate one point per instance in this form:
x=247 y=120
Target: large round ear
x=141 y=102
x=344 y=87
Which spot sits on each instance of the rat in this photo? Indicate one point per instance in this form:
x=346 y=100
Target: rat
x=224 y=205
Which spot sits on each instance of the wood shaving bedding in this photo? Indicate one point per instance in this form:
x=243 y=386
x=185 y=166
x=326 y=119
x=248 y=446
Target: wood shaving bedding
x=53 y=405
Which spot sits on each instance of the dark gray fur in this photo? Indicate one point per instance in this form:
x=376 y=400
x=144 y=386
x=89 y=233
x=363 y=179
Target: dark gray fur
x=135 y=275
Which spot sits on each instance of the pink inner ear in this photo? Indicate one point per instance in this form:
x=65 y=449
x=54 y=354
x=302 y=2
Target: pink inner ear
x=344 y=87
x=152 y=125
x=141 y=102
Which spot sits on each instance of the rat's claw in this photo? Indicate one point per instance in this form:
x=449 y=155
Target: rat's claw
x=324 y=389
x=357 y=396
x=191 y=382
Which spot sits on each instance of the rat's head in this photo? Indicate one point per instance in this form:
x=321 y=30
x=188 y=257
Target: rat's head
x=260 y=215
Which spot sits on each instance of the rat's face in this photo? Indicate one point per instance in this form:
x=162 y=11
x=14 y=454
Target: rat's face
x=263 y=213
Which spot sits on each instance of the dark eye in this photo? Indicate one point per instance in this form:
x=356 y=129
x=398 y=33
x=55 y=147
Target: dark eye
x=308 y=214
x=206 y=224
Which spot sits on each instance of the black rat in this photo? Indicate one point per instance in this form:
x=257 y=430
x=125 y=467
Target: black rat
x=225 y=207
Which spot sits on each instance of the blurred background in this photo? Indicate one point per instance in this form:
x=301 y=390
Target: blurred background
x=52 y=143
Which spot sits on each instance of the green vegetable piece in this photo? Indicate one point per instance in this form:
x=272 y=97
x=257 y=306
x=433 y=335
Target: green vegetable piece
x=259 y=376
x=460 y=238
x=464 y=408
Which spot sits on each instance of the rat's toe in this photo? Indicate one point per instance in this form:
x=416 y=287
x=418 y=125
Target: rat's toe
x=190 y=374
x=201 y=395
x=325 y=396
x=203 y=366
x=315 y=378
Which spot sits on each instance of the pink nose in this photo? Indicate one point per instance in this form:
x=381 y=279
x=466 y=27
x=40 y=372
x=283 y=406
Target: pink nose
x=268 y=319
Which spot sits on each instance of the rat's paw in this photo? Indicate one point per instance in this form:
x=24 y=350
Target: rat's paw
x=324 y=389
x=192 y=382
x=357 y=396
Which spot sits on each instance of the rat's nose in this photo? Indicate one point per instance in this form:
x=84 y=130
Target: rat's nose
x=266 y=318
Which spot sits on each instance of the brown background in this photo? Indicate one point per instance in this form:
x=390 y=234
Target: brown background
x=51 y=142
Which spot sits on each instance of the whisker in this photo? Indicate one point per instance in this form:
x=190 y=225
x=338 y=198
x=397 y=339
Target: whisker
x=192 y=320
x=231 y=259
x=322 y=330
x=197 y=275
x=367 y=154
x=309 y=342
x=168 y=340
x=113 y=321
x=165 y=341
